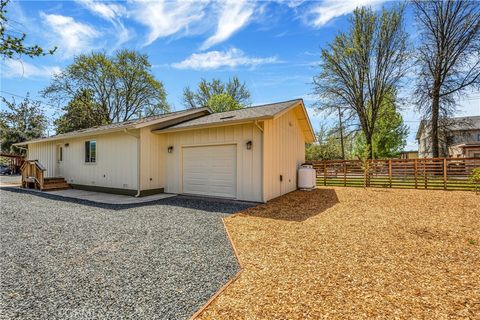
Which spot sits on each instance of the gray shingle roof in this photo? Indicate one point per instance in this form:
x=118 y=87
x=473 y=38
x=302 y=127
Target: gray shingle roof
x=454 y=124
x=130 y=124
x=251 y=113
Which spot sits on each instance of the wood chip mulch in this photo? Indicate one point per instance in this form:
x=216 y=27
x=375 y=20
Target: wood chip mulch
x=348 y=253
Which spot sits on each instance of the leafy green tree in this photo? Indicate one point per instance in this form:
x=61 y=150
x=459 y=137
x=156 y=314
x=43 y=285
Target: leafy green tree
x=20 y=122
x=80 y=113
x=12 y=42
x=328 y=145
x=218 y=95
x=222 y=102
x=361 y=66
x=123 y=85
x=390 y=134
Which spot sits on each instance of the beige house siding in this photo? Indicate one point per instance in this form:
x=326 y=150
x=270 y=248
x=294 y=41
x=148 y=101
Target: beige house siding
x=153 y=152
x=115 y=166
x=249 y=162
x=46 y=154
x=284 y=152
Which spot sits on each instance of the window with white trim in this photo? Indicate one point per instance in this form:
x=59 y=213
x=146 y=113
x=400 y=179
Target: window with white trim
x=91 y=151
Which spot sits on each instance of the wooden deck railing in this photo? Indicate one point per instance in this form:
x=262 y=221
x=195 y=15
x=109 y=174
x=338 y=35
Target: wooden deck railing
x=32 y=173
x=429 y=173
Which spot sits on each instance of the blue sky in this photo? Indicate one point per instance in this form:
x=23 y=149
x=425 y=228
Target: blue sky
x=273 y=46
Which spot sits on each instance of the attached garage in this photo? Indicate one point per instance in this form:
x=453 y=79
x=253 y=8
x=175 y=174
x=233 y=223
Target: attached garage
x=250 y=154
x=210 y=170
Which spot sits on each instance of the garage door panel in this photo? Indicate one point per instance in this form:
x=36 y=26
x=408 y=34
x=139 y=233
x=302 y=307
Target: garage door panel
x=210 y=170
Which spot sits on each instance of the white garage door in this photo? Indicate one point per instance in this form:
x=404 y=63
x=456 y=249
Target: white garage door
x=210 y=170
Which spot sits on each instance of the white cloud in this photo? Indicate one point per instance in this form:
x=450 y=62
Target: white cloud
x=20 y=69
x=327 y=10
x=233 y=15
x=71 y=37
x=216 y=59
x=166 y=18
x=105 y=10
x=111 y=12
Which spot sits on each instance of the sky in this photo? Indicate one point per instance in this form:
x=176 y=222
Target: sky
x=273 y=46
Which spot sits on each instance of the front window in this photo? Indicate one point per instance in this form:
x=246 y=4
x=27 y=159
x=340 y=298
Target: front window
x=91 y=151
x=478 y=137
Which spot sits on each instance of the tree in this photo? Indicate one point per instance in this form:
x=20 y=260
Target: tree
x=20 y=122
x=218 y=95
x=122 y=85
x=80 y=113
x=448 y=58
x=361 y=66
x=328 y=145
x=12 y=42
x=390 y=134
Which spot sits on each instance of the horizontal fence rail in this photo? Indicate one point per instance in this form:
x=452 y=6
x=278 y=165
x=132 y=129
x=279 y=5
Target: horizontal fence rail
x=428 y=173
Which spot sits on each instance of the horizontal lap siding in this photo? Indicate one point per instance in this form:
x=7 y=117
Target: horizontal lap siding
x=249 y=179
x=284 y=153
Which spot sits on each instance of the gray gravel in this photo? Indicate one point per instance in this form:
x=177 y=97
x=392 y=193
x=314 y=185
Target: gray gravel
x=75 y=260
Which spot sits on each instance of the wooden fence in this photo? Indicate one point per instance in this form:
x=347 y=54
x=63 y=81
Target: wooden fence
x=429 y=173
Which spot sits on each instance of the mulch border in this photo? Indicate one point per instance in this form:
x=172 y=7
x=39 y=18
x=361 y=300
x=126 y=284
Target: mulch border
x=229 y=282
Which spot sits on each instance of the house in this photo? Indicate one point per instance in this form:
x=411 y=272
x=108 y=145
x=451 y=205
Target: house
x=461 y=140
x=250 y=154
x=411 y=154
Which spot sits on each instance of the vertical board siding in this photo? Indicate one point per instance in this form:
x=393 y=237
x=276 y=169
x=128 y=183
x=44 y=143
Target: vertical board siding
x=284 y=153
x=153 y=150
x=249 y=162
x=46 y=154
x=115 y=166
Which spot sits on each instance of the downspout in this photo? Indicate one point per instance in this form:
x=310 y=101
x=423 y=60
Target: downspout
x=138 y=159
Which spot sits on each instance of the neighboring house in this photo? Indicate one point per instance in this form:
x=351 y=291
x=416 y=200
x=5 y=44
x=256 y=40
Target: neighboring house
x=409 y=154
x=250 y=154
x=461 y=139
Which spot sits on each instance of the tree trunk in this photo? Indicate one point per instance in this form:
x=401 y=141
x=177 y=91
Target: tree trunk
x=368 y=139
x=434 y=124
x=341 y=133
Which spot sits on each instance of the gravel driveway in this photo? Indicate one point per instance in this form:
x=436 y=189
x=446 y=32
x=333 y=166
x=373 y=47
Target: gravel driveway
x=67 y=260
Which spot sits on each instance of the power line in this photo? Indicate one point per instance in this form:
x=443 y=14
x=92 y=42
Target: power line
x=24 y=97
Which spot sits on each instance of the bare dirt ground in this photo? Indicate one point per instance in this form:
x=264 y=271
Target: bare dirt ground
x=356 y=253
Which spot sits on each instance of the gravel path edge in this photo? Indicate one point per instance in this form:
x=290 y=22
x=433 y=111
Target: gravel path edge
x=229 y=282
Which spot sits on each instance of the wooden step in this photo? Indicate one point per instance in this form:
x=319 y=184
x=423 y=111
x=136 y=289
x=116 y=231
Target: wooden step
x=56 y=186
x=54 y=180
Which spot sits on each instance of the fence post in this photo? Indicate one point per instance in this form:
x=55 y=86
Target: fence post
x=445 y=173
x=390 y=171
x=425 y=179
x=324 y=173
x=416 y=173
x=344 y=173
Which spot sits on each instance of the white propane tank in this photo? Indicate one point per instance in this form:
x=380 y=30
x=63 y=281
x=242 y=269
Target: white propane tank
x=307 y=177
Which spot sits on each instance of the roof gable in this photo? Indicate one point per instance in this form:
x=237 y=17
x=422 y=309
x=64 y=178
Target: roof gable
x=260 y=112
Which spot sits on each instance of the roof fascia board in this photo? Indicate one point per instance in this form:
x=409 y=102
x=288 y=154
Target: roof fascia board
x=212 y=125
x=200 y=111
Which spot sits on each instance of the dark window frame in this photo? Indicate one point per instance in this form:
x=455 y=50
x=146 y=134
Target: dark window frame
x=91 y=151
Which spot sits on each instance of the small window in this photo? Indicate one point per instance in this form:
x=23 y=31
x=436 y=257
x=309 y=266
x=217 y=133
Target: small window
x=478 y=137
x=60 y=156
x=90 y=151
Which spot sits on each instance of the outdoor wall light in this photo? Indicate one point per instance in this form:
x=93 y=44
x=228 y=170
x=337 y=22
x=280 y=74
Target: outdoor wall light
x=170 y=149
x=249 y=145
x=67 y=144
